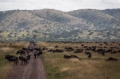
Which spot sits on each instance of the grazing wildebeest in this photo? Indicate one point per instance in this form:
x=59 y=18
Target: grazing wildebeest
x=24 y=48
x=40 y=52
x=12 y=58
x=112 y=59
x=55 y=50
x=56 y=46
x=113 y=52
x=20 y=52
x=37 y=49
x=100 y=50
x=103 y=54
x=28 y=57
x=69 y=49
x=28 y=52
x=71 y=56
x=74 y=56
x=89 y=55
x=44 y=48
x=67 y=56
x=35 y=55
x=78 y=51
x=23 y=60
x=109 y=50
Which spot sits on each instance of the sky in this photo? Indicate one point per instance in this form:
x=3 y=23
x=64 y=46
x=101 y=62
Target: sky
x=63 y=5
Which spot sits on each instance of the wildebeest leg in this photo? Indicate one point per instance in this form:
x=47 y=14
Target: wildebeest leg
x=21 y=62
x=16 y=62
x=26 y=62
x=35 y=56
x=9 y=61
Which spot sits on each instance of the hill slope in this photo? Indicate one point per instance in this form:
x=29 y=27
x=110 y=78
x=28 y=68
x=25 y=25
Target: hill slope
x=100 y=19
x=84 y=24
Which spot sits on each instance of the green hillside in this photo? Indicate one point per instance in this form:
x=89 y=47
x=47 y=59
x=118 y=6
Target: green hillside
x=50 y=24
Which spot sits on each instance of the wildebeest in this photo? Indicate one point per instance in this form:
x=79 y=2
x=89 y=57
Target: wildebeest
x=69 y=49
x=112 y=59
x=37 y=49
x=40 y=52
x=56 y=46
x=113 y=52
x=100 y=50
x=35 y=55
x=23 y=60
x=103 y=54
x=89 y=55
x=12 y=58
x=78 y=50
x=67 y=56
x=24 y=49
x=20 y=52
x=74 y=56
x=28 y=57
x=55 y=50
x=71 y=56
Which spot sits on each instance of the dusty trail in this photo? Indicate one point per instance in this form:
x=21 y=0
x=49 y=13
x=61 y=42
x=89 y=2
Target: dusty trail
x=33 y=70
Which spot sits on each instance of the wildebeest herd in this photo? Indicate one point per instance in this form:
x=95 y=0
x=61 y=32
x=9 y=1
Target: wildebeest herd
x=101 y=48
x=24 y=54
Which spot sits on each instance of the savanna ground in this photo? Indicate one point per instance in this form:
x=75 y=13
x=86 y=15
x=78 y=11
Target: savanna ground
x=94 y=68
x=57 y=67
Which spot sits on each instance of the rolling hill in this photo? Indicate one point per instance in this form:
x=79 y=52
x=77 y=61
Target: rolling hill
x=50 y=24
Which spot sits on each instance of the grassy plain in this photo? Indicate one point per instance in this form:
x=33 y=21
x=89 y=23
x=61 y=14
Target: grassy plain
x=57 y=67
x=94 y=68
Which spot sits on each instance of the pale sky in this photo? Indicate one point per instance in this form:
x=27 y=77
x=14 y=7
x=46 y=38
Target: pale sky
x=63 y=5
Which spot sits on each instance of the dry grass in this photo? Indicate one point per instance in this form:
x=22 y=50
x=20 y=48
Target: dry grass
x=95 y=68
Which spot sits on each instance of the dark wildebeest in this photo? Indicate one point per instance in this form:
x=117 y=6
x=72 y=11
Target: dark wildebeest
x=67 y=56
x=20 y=52
x=71 y=56
x=69 y=49
x=78 y=51
x=12 y=58
x=112 y=59
x=55 y=50
x=28 y=52
x=56 y=46
x=23 y=60
x=24 y=48
x=103 y=53
x=113 y=52
x=35 y=55
x=89 y=54
x=39 y=53
x=37 y=49
x=28 y=57
x=74 y=56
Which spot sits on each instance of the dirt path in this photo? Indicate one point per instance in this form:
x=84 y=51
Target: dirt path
x=33 y=70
